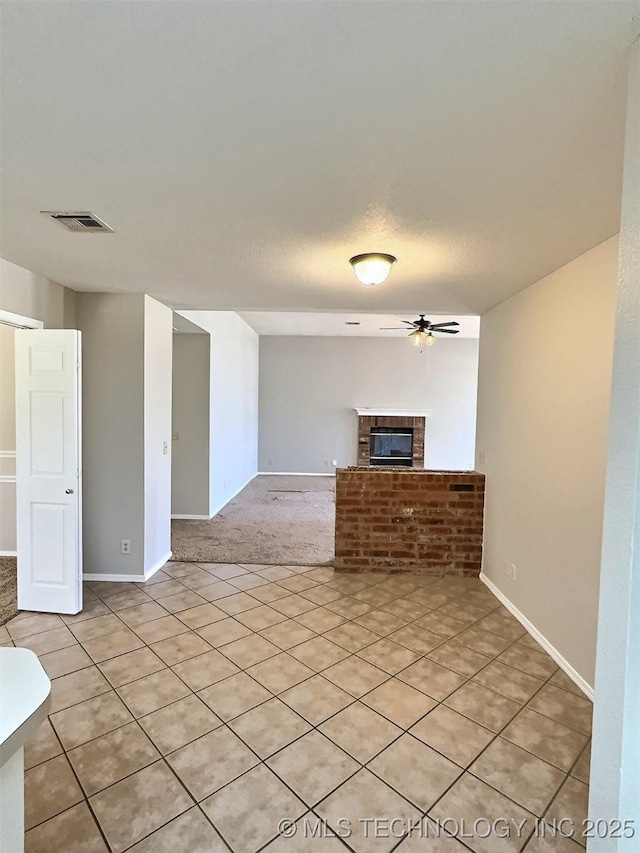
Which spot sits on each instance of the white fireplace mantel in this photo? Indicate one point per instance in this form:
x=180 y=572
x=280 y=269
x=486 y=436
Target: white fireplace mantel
x=394 y=413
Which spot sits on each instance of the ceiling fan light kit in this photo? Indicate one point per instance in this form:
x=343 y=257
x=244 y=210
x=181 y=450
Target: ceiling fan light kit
x=421 y=339
x=422 y=331
x=372 y=268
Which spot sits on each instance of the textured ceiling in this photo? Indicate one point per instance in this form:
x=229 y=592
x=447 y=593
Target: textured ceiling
x=244 y=151
x=341 y=325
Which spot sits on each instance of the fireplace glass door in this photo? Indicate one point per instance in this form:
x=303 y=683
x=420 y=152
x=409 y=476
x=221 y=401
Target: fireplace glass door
x=391 y=446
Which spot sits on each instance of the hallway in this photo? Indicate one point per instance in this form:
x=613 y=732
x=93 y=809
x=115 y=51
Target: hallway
x=196 y=711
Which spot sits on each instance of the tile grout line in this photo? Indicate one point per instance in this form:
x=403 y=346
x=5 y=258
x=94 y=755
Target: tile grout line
x=469 y=678
x=349 y=654
x=319 y=672
x=405 y=731
x=315 y=727
x=162 y=757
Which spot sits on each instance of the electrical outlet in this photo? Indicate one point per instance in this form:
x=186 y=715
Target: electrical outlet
x=510 y=570
x=269 y=461
x=334 y=462
x=165 y=448
x=125 y=548
x=175 y=436
x=326 y=463
x=482 y=457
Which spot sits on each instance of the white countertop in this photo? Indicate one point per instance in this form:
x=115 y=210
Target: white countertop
x=24 y=698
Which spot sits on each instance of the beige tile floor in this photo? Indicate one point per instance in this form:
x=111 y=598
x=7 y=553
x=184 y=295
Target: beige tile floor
x=192 y=713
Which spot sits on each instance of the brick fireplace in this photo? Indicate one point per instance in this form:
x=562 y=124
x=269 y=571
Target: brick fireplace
x=403 y=428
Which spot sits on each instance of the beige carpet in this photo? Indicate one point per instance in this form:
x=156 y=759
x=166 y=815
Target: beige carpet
x=274 y=521
x=8 y=588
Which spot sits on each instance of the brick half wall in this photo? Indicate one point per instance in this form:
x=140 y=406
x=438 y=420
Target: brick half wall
x=429 y=522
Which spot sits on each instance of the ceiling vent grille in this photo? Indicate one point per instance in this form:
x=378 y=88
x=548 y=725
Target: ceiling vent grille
x=80 y=222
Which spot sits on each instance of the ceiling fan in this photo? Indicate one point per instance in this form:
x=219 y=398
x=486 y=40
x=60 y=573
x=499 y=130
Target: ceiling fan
x=422 y=330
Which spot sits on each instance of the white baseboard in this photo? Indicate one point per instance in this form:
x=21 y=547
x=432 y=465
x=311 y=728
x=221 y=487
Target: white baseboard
x=139 y=578
x=231 y=497
x=330 y=473
x=87 y=576
x=551 y=650
x=8 y=553
x=191 y=517
x=157 y=566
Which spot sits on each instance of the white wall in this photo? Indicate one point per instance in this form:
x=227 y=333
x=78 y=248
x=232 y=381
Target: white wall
x=126 y=343
x=233 y=419
x=615 y=792
x=543 y=403
x=158 y=350
x=30 y=295
x=309 y=387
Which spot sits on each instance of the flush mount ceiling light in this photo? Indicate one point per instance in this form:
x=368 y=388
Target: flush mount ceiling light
x=372 y=268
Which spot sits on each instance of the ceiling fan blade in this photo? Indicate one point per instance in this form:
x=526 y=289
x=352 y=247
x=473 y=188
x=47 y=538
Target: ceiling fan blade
x=411 y=322
x=442 y=325
x=446 y=331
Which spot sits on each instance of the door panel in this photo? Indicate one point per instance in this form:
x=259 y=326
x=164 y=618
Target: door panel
x=47 y=433
x=48 y=543
x=48 y=470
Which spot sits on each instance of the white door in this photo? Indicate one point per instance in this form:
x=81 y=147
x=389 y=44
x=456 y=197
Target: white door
x=48 y=470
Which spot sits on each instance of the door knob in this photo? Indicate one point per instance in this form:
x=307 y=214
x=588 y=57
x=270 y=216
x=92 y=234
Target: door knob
x=68 y=491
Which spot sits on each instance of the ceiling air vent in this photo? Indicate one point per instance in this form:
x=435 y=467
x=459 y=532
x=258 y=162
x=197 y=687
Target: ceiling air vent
x=83 y=221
